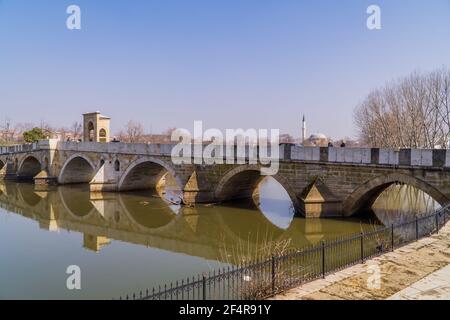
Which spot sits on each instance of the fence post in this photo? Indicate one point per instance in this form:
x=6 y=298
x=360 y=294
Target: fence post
x=417 y=228
x=323 y=259
x=204 y=286
x=362 y=247
x=392 y=237
x=273 y=274
x=437 y=223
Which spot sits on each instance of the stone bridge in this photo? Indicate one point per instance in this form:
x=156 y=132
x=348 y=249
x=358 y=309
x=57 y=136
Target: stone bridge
x=321 y=182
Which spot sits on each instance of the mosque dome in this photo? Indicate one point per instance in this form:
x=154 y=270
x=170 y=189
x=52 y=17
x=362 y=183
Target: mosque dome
x=318 y=139
x=317 y=136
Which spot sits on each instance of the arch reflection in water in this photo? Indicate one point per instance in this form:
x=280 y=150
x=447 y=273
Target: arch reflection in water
x=146 y=219
x=147 y=210
x=77 y=200
x=400 y=203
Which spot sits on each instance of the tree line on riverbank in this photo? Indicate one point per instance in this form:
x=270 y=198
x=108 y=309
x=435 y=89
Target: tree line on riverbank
x=412 y=112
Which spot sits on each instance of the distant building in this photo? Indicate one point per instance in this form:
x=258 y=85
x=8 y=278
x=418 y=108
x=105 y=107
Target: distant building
x=96 y=127
x=157 y=138
x=286 y=138
x=61 y=136
x=349 y=143
x=317 y=140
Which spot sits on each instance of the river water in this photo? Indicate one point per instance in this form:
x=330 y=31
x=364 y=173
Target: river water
x=130 y=241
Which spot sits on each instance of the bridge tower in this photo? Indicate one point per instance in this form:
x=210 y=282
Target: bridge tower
x=95 y=127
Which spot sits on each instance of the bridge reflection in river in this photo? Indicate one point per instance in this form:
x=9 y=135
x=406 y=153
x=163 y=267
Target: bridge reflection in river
x=140 y=239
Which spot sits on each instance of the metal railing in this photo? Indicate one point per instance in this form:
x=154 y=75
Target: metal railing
x=263 y=279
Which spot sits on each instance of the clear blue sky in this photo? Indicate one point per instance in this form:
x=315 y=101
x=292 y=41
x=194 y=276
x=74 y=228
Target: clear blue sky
x=230 y=63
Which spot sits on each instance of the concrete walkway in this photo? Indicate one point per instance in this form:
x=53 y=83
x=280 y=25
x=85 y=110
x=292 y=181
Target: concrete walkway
x=420 y=270
x=433 y=287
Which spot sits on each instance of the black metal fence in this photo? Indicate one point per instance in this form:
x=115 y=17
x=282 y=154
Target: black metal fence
x=262 y=279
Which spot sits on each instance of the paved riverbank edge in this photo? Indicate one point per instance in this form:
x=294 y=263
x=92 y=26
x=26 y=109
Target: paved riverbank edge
x=398 y=270
x=435 y=286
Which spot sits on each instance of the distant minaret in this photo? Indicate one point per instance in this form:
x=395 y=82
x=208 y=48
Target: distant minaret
x=304 y=130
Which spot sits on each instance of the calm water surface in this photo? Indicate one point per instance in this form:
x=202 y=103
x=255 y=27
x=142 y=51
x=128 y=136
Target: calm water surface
x=127 y=242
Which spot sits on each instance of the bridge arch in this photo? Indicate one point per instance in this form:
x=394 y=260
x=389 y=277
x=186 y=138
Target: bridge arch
x=77 y=169
x=242 y=181
x=145 y=173
x=28 y=167
x=365 y=195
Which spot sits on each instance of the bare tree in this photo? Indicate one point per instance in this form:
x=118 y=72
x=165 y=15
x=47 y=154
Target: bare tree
x=132 y=133
x=11 y=133
x=6 y=134
x=413 y=112
x=47 y=129
x=76 y=130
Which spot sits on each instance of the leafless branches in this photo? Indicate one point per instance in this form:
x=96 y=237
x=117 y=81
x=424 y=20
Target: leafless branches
x=132 y=133
x=413 y=112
